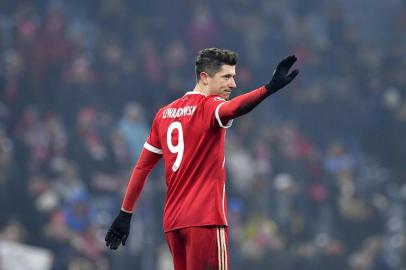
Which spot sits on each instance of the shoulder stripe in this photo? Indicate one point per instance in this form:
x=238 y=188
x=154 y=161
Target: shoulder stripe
x=218 y=117
x=153 y=149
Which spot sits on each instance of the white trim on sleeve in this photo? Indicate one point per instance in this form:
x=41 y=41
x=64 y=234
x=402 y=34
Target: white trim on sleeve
x=216 y=113
x=153 y=149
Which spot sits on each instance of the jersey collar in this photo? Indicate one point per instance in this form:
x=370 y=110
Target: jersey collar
x=194 y=93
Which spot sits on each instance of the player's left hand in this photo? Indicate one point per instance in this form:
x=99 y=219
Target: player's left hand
x=280 y=76
x=119 y=230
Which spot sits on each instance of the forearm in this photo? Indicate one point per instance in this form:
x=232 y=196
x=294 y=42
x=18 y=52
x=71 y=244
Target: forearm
x=242 y=104
x=142 y=169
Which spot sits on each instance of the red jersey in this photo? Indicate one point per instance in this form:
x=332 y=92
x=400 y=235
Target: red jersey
x=191 y=138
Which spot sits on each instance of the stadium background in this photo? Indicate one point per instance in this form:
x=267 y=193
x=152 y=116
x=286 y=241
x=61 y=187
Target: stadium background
x=317 y=175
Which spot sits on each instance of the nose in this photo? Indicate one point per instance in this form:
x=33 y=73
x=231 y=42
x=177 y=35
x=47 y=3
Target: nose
x=232 y=83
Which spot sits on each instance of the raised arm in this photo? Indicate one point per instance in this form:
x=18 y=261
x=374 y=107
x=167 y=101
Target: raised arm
x=245 y=103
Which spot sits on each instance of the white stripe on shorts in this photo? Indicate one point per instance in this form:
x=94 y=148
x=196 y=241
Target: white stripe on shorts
x=221 y=248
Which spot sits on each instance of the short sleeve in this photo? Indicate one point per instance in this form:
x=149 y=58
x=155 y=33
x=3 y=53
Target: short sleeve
x=212 y=106
x=153 y=144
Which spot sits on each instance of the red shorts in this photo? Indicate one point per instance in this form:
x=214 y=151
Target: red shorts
x=199 y=248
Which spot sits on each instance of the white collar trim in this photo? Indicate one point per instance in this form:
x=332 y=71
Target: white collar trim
x=194 y=93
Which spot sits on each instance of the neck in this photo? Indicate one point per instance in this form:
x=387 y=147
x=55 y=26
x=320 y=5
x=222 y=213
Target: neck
x=201 y=89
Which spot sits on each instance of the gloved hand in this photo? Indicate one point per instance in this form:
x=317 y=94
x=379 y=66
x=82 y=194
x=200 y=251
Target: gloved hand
x=119 y=230
x=280 y=76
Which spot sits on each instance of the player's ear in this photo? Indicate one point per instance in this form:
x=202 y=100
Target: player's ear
x=204 y=78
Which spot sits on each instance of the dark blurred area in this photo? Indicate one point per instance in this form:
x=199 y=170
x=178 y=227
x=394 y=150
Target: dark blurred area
x=316 y=174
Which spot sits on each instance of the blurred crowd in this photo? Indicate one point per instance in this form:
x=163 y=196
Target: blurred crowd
x=316 y=174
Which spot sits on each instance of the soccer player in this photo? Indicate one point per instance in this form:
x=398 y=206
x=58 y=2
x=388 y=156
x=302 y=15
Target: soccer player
x=189 y=134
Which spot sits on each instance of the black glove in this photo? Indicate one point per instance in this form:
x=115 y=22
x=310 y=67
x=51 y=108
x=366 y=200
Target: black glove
x=119 y=230
x=280 y=76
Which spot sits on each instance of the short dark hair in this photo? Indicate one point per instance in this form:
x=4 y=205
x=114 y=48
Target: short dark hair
x=210 y=60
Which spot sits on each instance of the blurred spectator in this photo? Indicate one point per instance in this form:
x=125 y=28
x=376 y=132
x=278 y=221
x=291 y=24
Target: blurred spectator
x=133 y=128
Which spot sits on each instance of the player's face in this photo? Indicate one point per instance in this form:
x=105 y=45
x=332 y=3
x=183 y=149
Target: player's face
x=223 y=82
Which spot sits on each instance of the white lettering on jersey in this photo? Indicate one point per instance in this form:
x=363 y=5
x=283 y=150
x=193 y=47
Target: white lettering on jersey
x=178 y=112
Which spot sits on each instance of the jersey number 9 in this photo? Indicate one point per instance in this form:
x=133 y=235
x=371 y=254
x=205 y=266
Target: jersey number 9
x=178 y=148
